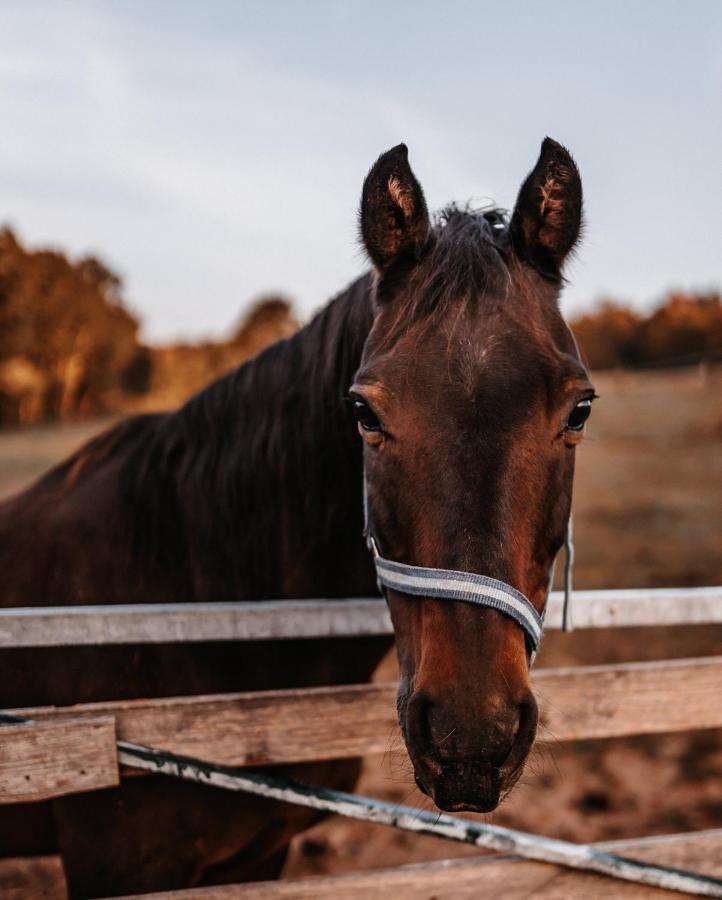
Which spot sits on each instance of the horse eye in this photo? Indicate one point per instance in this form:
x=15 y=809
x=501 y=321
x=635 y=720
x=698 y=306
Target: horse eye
x=579 y=415
x=365 y=416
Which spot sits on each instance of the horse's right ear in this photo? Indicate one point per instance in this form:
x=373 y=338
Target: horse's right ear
x=394 y=218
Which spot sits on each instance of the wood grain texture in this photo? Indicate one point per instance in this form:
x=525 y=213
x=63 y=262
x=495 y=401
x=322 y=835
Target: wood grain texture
x=467 y=878
x=177 y=622
x=486 y=877
x=251 y=729
x=32 y=878
x=52 y=758
x=635 y=698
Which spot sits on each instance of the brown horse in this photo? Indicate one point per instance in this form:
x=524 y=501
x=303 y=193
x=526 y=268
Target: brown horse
x=467 y=390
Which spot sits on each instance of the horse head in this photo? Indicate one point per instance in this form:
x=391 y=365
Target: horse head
x=470 y=399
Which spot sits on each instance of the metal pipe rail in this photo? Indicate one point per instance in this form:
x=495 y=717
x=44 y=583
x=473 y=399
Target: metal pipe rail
x=55 y=626
x=354 y=806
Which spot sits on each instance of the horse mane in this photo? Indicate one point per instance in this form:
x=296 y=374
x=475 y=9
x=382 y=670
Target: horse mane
x=271 y=441
x=257 y=477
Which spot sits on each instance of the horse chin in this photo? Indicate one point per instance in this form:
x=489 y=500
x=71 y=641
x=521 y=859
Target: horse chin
x=452 y=794
x=479 y=806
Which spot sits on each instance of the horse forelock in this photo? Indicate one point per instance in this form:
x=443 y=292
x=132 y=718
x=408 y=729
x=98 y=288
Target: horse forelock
x=464 y=266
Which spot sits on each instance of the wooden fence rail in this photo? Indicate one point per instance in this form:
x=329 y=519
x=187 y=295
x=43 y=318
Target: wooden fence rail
x=462 y=879
x=183 y=622
x=73 y=749
x=470 y=879
x=253 y=729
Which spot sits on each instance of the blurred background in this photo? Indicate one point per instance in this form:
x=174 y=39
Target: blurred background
x=178 y=188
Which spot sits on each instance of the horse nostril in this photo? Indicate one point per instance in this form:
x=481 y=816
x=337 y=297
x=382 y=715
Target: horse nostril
x=418 y=720
x=526 y=726
x=447 y=730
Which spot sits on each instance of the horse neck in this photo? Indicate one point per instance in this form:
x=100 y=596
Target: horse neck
x=273 y=491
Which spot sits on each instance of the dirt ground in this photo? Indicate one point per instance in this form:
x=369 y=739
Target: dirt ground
x=648 y=512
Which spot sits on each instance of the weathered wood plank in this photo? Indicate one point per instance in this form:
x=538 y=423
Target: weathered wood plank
x=338 y=722
x=635 y=607
x=485 y=877
x=464 y=878
x=52 y=758
x=32 y=877
x=635 y=698
x=160 y=623
x=254 y=728
x=152 y=623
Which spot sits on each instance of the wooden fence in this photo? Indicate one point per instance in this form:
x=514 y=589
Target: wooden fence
x=73 y=749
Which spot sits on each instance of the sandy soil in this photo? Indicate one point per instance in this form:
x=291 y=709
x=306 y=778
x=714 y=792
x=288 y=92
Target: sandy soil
x=648 y=512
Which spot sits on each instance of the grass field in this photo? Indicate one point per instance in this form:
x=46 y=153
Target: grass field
x=648 y=512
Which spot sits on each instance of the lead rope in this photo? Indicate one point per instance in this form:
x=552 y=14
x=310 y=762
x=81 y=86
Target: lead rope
x=567 y=621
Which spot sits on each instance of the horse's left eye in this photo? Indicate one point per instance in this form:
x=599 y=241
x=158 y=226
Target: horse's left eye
x=365 y=416
x=579 y=415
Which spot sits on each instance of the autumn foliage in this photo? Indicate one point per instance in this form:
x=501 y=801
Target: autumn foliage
x=683 y=329
x=66 y=339
x=69 y=345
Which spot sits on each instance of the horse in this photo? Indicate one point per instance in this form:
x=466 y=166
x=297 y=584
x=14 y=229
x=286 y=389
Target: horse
x=446 y=383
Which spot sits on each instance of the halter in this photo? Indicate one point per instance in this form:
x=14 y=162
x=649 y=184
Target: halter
x=448 y=584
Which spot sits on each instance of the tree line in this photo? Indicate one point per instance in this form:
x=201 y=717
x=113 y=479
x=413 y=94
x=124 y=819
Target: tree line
x=685 y=328
x=70 y=346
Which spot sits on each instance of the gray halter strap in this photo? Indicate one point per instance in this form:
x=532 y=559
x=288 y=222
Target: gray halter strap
x=447 y=584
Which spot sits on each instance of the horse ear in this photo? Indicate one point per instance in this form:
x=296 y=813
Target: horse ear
x=547 y=218
x=394 y=218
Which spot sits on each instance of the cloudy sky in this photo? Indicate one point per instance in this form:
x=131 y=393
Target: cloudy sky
x=213 y=151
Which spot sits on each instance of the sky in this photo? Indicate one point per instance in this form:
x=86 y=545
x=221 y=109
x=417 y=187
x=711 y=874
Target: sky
x=212 y=152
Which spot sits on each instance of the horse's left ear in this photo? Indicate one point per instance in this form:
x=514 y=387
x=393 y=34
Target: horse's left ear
x=547 y=218
x=394 y=218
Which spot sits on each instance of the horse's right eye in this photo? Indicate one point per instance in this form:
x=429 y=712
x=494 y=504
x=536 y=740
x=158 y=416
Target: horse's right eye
x=365 y=416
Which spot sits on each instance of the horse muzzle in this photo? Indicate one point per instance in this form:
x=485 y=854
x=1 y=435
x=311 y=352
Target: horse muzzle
x=465 y=762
